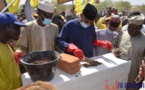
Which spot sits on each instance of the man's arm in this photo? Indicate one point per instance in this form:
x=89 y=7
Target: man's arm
x=63 y=43
x=141 y=73
x=56 y=30
x=62 y=40
x=116 y=49
x=22 y=43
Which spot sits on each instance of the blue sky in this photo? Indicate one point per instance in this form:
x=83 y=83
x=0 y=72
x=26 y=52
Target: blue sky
x=133 y=2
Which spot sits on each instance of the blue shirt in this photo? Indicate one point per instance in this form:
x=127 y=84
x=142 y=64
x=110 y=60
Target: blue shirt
x=73 y=32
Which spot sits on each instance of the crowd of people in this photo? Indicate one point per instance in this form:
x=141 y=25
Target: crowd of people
x=91 y=33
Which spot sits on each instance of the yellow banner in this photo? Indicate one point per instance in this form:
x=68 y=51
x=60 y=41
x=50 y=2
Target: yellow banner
x=14 y=7
x=80 y=4
x=34 y=3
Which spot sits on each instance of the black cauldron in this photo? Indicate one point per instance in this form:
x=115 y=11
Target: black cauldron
x=41 y=71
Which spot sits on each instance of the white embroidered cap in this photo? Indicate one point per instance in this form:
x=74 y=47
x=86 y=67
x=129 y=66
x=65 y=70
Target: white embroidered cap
x=137 y=19
x=46 y=6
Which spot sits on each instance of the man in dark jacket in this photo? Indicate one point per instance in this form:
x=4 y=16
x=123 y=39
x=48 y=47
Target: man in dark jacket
x=77 y=35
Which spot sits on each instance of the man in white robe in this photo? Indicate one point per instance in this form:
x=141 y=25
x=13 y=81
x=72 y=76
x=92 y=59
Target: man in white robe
x=132 y=47
x=39 y=34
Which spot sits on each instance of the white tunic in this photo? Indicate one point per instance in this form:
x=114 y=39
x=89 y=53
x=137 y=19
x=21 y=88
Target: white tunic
x=34 y=37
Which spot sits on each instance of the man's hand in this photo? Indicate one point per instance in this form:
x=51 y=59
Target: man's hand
x=78 y=53
x=105 y=44
x=143 y=68
x=75 y=50
x=141 y=74
x=117 y=52
x=17 y=56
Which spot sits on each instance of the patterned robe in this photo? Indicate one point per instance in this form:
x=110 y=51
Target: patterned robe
x=133 y=49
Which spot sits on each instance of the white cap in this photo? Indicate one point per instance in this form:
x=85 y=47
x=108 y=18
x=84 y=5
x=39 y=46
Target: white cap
x=46 y=6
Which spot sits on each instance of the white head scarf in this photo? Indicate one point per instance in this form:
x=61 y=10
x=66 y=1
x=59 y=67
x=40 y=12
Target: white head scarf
x=137 y=19
x=46 y=6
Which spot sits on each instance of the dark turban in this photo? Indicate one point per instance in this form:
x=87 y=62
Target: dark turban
x=90 y=12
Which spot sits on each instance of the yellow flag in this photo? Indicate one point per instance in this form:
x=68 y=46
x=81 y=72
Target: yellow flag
x=34 y=3
x=14 y=7
x=80 y=4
